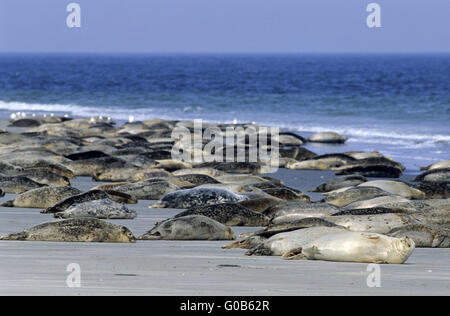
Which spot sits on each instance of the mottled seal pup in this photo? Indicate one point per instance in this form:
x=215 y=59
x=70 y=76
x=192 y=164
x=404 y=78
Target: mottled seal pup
x=193 y=227
x=75 y=230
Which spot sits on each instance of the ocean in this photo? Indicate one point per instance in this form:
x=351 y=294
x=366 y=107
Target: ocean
x=396 y=104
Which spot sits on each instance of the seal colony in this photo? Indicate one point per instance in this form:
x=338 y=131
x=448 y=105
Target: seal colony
x=366 y=213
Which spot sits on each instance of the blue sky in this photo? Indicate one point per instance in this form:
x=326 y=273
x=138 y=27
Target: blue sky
x=225 y=26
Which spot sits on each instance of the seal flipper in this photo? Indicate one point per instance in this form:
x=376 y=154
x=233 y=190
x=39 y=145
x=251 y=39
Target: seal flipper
x=17 y=236
x=437 y=241
x=294 y=254
x=8 y=204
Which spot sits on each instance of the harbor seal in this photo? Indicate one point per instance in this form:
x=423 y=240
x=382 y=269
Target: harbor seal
x=340 y=182
x=230 y=214
x=396 y=187
x=46 y=177
x=434 y=175
x=358 y=247
x=345 y=196
x=280 y=244
x=437 y=165
x=377 y=201
x=198 y=197
x=43 y=164
x=303 y=211
x=78 y=198
x=423 y=236
x=148 y=189
x=307 y=165
x=18 y=184
x=75 y=230
x=42 y=197
x=193 y=227
x=327 y=137
x=101 y=209
x=378 y=223
x=434 y=190
x=372 y=171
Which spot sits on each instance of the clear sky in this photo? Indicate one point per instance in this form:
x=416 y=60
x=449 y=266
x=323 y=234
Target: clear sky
x=225 y=26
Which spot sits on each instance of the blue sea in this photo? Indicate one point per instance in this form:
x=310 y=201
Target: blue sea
x=396 y=104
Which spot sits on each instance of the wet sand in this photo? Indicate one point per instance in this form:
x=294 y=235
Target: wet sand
x=196 y=267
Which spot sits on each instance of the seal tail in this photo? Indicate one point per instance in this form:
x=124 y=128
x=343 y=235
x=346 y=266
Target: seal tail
x=294 y=254
x=8 y=204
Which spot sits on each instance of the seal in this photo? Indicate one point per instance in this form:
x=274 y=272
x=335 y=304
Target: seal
x=304 y=211
x=307 y=165
x=378 y=201
x=18 y=184
x=89 y=167
x=327 y=137
x=101 y=209
x=358 y=247
x=193 y=227
x=372 y=171
x=75 y=230
x=434 y=190
x=423 y=236
x=230 y=214
x=378 y=223
x=434 y=175
x=340 y=182
x=206 y=171
x=345 y=196
x=46 y=177
x=198 y=197
x=42 y=197
x=437 y=165
x=280 y=244
x=148 y=189
x=397 y=188
x=43 y=164
x=259 y=204
x=197 y=179
x=78 y=198
x=243 y=167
